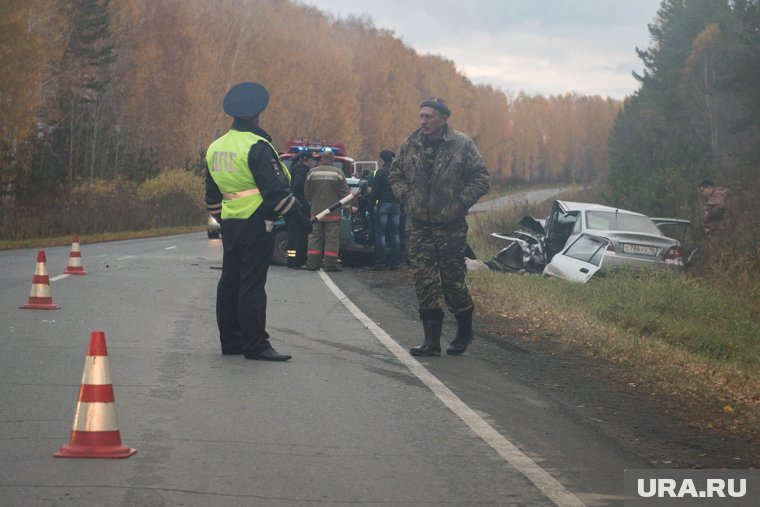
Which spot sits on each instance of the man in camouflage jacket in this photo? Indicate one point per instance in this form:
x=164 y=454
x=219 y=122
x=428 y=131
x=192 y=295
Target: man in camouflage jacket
x=438 y=175
x=715 y=217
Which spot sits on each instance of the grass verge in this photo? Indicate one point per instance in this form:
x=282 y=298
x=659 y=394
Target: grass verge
x=690 y=343
x=97 y=238
x=693 y=350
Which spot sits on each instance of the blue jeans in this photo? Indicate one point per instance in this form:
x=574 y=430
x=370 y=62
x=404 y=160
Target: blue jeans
x=387 y=214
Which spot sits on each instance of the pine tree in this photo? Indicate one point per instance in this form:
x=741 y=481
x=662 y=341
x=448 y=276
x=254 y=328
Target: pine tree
x=85 y=76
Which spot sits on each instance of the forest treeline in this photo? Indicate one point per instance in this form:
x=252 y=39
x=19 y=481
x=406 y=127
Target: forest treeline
x=124 y=90
x=99 y=89
x=696 y=115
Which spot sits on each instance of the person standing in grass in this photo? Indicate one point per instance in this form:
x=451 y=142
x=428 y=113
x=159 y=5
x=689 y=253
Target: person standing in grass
x=715 y=219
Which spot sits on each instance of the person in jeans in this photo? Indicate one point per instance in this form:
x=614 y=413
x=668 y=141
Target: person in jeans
x=387 y=213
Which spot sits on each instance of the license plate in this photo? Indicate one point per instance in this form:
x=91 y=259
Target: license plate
x=639 y=249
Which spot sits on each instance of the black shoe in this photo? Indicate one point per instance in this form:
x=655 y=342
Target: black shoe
x=269 y=355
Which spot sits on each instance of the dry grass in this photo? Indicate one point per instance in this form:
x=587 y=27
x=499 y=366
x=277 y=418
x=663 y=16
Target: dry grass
x=718 y=394
x=691 y=344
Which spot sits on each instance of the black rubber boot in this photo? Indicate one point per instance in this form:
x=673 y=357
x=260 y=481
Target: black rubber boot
x=464 y=334
x=432 y=322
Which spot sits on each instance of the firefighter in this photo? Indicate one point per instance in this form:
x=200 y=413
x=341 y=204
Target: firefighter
x=247 y=187
x=325 y=184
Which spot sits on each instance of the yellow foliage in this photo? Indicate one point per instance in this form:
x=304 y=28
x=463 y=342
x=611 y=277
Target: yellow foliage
x=172 y=181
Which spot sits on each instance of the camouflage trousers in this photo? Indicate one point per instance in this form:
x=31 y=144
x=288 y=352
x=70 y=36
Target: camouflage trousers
x=436 y=254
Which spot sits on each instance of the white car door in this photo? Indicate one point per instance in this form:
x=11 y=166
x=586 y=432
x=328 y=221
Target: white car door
x=578 y=261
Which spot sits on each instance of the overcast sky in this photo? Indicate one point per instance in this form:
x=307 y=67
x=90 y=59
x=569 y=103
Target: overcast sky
x=545 y=47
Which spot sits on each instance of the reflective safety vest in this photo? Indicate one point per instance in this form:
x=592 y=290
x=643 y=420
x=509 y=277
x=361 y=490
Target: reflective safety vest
x=227 y=160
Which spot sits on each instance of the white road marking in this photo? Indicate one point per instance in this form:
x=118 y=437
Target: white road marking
x=125 y=257
x=59 y=277
x=170 y=248
x=547 y=484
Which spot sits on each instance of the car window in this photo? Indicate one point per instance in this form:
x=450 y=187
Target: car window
x=612 y=221
x=597 y=220
x=588 y=249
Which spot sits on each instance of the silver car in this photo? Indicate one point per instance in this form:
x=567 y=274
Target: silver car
x=632 y=240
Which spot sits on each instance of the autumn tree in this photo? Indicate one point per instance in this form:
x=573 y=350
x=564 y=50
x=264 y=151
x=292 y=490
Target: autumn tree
x=127 y=88
x=25 y=46
x=657 y=154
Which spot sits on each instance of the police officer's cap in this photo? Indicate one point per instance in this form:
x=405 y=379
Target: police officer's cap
x=246 y=100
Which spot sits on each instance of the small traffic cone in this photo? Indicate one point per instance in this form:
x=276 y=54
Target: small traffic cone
x=75 y=266
x=40 y=297
x=95 y=433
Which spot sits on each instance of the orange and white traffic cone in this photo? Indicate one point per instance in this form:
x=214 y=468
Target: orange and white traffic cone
x=75 y=266
x=40 y=297
x=95 y=433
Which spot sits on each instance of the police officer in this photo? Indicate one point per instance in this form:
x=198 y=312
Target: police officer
x=298 y=237
x=247 y=187
x=438 y=175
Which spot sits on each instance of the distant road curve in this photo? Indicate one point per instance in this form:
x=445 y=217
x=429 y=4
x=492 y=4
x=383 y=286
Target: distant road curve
x=518 y=198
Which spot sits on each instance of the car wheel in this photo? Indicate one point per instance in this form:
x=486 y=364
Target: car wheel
x=280 y=253
x=213 y=235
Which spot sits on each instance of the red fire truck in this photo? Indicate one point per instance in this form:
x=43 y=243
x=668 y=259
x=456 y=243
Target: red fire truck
x=296 y=145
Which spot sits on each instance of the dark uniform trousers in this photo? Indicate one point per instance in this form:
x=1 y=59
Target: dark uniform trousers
x=241 y=303
x=298 y=240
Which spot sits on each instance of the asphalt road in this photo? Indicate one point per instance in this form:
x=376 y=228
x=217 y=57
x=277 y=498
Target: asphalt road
x=352 y=419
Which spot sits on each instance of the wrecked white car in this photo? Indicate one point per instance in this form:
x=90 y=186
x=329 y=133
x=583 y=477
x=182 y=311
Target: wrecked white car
x=631 y=240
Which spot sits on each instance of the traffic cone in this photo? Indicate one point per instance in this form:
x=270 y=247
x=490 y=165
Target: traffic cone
x=75 y=266
x=40 y=297
x=95 y=433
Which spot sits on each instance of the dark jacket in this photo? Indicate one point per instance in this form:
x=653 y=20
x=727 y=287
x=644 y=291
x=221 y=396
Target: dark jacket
x=298 y=174
x=442 y=187
x=381 y=190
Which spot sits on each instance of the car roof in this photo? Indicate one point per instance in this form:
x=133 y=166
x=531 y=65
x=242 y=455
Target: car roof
x=566 y=206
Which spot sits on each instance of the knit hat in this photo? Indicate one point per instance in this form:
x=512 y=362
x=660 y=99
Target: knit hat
x=436 y=103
